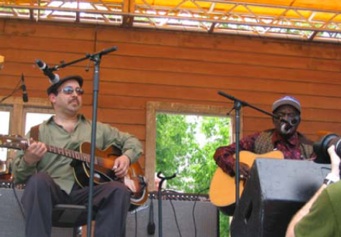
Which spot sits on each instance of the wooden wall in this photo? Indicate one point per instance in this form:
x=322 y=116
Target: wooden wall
x=182 y=67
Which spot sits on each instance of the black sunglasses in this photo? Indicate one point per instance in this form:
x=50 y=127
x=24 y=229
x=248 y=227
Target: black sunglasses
x=68 y=90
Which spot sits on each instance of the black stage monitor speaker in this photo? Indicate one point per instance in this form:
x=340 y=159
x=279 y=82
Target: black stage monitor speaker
x=186 y=215
x=182 y=215
x=274 y=192
x=12 y=219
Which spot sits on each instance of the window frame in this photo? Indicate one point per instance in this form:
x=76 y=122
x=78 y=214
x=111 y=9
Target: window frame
x=18 y=110
x=154 y=107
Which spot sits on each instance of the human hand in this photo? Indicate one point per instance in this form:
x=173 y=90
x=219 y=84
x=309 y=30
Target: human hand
x=34 y=152
x=244 y=170
x=121 y=166
x=335 y=161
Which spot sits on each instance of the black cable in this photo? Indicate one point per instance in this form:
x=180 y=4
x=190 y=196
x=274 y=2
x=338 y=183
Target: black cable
x=193 y=210
x=18 y=87
x=18 y=201
x=193 y=216
x=167 y=192
x=175 y=217
x=135 y=215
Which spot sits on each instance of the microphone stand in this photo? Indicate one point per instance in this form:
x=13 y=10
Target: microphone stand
x=162 y=178
x=238 y=104
x=96 y=57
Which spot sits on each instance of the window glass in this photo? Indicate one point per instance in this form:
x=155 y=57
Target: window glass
x=16 y=120
x=33 y=119
x=185 y=145
x=4 y=129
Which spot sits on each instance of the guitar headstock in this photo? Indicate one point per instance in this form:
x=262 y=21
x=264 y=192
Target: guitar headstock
x=14 y=142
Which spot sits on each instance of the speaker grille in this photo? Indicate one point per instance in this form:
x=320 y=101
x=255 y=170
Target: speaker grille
x=188 y=214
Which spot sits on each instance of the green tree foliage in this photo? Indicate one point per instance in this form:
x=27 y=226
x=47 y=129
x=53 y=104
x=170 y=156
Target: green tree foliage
x=185 y=145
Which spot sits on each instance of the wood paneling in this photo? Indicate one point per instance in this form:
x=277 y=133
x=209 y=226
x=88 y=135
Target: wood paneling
x=177 y=67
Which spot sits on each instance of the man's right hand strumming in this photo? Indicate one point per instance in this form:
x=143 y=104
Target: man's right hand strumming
x=244 y=170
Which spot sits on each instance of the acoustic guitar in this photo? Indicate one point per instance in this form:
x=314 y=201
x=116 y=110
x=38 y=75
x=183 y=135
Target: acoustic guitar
x=222 y=191
x=104 y=161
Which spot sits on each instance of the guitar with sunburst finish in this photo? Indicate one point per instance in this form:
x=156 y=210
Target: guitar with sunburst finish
x=104 y=161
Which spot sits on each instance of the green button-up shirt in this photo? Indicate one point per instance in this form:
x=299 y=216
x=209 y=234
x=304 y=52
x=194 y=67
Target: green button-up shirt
x=58 y=166
x=324 y=217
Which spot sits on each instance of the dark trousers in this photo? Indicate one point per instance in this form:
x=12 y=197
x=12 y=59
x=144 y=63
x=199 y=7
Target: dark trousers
x=111 y=202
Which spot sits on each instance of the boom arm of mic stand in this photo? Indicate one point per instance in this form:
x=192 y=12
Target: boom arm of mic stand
x=97 y=59
x=91 y=56
x=245 y=103
x=238 y=104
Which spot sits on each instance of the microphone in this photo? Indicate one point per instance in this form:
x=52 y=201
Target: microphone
x=54 y=78
x=109 y=50
x=24 y=91
x=151 y=224
x=288 y=124
x=285 y=128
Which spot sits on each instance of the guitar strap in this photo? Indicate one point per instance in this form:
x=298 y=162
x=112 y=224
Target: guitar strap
x=34 y=132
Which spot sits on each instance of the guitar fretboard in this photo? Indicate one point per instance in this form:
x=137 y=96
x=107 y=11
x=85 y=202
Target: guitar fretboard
x=70 y=153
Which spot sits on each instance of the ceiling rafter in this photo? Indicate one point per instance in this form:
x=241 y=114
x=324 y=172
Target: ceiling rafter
x=256 y=17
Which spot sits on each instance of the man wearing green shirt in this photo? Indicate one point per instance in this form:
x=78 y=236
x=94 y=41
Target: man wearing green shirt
x=49 y=178
x=321 y=215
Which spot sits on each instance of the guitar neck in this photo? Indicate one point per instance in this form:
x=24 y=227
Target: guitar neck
x=19 y=143
x=69 y=153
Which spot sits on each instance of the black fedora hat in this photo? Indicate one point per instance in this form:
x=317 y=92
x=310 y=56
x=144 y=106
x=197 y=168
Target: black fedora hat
x=54 y=87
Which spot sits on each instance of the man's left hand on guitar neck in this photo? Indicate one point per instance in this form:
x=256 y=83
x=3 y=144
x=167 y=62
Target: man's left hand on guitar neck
x=34 y=152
